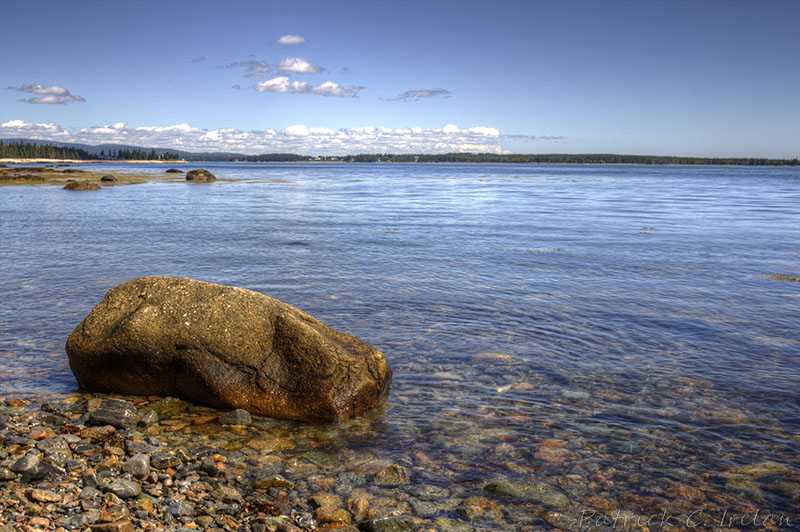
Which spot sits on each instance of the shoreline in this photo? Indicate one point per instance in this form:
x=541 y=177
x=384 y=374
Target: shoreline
x=119 y=463
x=182 y=161
x=87 y=161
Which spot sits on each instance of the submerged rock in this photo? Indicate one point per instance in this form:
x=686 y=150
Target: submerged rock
x=226 y=347
x=108 y=178
x=174 y=171
x=200 y=174
x=81 y=185
x=393 y=523
x=236 y=417
x=537 y=492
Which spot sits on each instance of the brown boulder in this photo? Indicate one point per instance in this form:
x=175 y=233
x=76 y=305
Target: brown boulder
x=200 y=174
x=226 y=347
x=81 y=185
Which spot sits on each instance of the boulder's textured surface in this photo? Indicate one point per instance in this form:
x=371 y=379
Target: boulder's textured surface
x=200 y=174
x=81 y=185
x=226 y=347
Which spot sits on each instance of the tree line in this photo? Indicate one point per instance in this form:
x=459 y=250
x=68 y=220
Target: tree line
x=24 y=150
x=138 y=155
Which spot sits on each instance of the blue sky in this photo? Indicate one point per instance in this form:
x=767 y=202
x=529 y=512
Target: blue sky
x=681 y=77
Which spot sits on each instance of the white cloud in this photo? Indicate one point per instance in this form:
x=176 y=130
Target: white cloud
x=298 y=65
x=485 y=131
x=282 y=84
x=330 y=88
x=292 y=39
x=255 y=69
x=297 y=131
x=418 y=94
x=298 y=138
x=47 y=95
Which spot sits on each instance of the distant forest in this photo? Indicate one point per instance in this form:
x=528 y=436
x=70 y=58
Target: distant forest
x=548 y=158
x=19 y=150
x=137 y=155
x=24 y=150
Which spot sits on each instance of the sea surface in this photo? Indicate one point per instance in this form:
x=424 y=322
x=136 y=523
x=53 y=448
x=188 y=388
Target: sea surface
x=618 y=334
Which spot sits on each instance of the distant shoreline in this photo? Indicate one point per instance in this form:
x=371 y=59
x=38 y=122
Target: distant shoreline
x=83 y=161
x=780 y=163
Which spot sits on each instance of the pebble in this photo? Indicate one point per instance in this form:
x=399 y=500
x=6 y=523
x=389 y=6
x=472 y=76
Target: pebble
x=236 y=417
x=124 y=489
x=117 y=413
x=138 y=465
x=26 y=463
x=394 y=475
x=45 y=496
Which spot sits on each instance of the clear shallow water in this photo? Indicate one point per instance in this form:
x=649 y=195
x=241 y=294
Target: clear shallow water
x=630 y=305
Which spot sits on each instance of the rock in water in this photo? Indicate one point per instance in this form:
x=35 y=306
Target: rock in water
x=226 y=347
x=81 y=185
x=200 y=175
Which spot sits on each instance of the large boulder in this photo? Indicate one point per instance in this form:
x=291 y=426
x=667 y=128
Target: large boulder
x=226 y=347
x=81 y=185
x=200 y=174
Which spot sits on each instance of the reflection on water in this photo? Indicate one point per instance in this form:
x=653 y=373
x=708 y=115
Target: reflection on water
x=606 y=334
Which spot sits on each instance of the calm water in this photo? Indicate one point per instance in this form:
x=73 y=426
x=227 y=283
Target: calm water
x=626 y=311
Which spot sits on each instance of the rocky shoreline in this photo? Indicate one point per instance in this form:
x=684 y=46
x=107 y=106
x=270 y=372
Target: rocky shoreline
x=105 y=464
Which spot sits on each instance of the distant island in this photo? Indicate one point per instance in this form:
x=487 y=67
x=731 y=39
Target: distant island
x=37 y=149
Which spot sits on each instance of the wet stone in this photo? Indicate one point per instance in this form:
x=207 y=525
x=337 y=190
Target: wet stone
x=70 y=438
x=236 y=417
x=164 y=460
x=117 y=526
x=26 y=463
x=90 y=492
x=124 y=489
x=788 y=489
x=39 y=495
x=305 y=520
x=138 y=465
x=326 y=499
x=80 y=521
x=227 y=494
x=399 y=523
x=208 y=466
x=268 y=479
x=536 y=492
x=114 y=412
x=394 y=475
x=328 y=514
x=180 y=508
x=150 y=417
x=40 y=472
x=445 y=524
x=114 y=513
